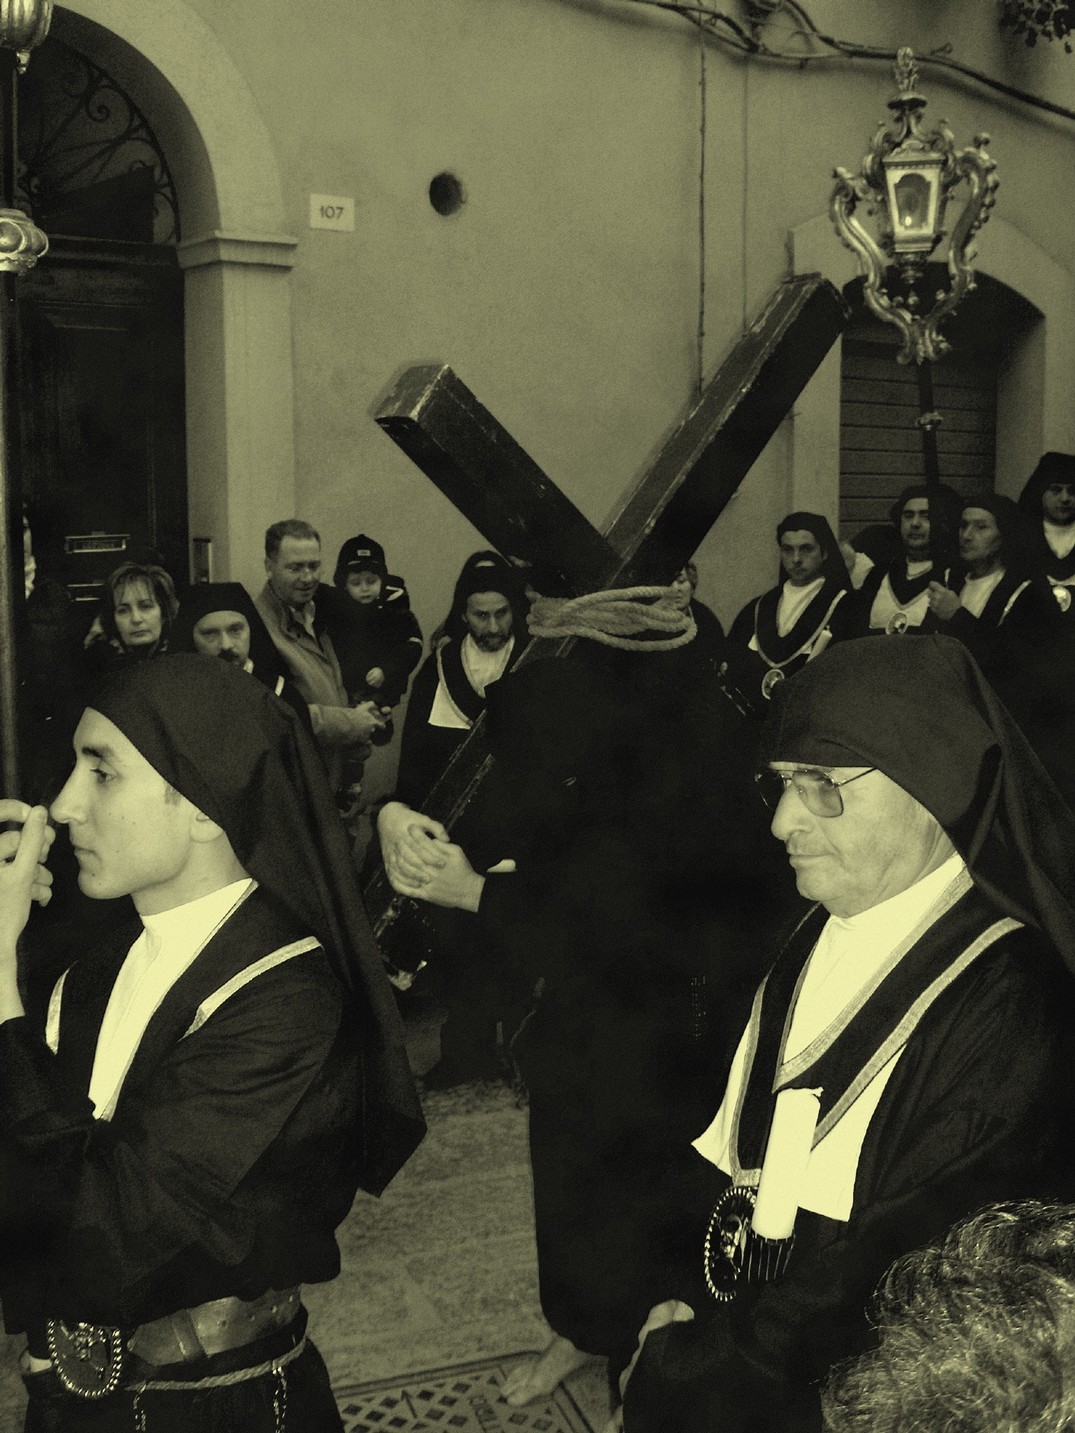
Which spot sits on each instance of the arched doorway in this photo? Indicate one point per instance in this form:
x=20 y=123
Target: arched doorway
x=235 y=257
x=101 y=327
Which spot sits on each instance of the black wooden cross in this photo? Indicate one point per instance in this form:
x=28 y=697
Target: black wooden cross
x=659 y=524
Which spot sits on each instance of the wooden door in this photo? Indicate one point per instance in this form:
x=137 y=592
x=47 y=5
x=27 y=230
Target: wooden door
x=102 y=408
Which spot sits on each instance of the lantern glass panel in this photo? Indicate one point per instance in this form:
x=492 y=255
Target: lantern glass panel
x=913 y=203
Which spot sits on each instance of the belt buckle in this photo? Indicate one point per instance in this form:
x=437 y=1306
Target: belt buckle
x=87 y=1358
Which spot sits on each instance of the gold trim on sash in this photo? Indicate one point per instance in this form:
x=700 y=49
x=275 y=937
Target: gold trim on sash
x=212 y=1003
x=775 y=674
x=52 y=1023
x=1011 y=601
x=790 y=1071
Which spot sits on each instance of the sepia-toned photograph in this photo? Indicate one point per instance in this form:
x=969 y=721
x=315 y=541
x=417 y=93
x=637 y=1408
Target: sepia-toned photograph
x=537 y=716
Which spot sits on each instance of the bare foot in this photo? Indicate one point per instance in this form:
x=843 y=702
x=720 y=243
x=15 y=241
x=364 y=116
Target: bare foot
x=539 y=1376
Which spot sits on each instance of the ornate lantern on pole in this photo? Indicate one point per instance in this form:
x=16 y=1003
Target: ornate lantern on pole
x=23 y=26
x=906 y=181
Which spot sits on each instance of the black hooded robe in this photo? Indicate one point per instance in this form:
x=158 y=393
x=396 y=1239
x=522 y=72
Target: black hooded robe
x=269 y=1085
x=978 y=1108
x=828 y=617
x=980 y=1104
x=188 y=1193
x=641 y=904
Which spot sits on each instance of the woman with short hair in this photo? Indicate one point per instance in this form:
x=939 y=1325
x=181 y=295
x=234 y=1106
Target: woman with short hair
x=134 y=620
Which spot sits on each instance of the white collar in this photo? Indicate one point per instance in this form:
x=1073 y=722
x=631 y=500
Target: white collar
x=852 y=949
x=992 y=578
x=1060 y=538
x=483 y=667
x=801 y=595
x=794 y=602
x=188 y=925
x=169 y=943
x=890 y=920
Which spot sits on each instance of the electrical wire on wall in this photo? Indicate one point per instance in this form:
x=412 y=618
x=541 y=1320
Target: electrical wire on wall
x=808 y=44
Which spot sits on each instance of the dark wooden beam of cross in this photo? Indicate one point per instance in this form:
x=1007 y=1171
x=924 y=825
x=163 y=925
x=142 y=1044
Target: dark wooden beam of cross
x=660 y=522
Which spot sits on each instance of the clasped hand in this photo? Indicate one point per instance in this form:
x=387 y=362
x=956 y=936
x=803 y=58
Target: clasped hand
x=422 y=861
x=24 y=877
x=943 y=602
x=371 y=718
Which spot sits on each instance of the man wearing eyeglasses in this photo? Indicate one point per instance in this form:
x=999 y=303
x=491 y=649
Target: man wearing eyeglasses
x=908 y=1057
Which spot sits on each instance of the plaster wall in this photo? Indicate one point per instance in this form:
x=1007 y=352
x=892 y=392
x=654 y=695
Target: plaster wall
x=565 y=292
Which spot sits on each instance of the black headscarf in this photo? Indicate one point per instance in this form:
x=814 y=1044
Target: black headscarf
x=833 y=566
x=486 y=571
x=206 y=597
x=1016 y=533
x=945 y=508
x=1052 y=468
x=242 y=757
x=922 y=713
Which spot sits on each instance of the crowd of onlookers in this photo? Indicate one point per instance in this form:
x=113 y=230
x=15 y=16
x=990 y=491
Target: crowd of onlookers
x=995 y=573
x=341 y=654
x=611 y=969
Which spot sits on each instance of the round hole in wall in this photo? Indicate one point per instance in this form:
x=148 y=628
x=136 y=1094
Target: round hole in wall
x=446 y=193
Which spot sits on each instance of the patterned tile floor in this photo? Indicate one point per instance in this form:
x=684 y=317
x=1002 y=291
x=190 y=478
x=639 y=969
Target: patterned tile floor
x=464 y=1400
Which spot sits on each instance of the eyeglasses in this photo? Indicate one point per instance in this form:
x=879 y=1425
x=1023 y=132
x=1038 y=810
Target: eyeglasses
x=815 y=789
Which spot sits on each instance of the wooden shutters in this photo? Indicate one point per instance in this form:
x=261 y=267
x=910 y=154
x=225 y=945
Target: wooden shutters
x=880 y=443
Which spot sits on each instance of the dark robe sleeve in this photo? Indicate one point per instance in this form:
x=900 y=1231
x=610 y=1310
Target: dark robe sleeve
x=197 y=1166
x=290 y=693
x=842 y=623
x=709 y=641
x=424 y=750
x=402 y=653
x=1029 y=659
x=537 y=913
x=858 y=604
x=742 y=629
x=744 y=667
x=1030 y=627
x=977 y=1109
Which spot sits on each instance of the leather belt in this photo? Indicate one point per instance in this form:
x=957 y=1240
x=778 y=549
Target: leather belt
x=215 y=1327
x=89 y=1359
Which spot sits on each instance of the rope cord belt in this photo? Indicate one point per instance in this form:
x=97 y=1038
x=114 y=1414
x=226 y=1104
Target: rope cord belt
x=274 y=1366
x=615 y=618
x=220 y=1380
